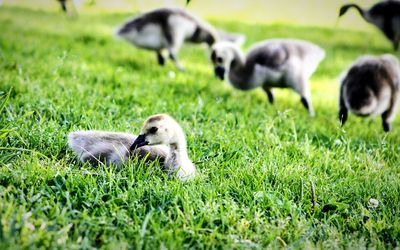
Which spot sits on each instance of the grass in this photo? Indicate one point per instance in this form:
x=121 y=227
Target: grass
x=257 y=162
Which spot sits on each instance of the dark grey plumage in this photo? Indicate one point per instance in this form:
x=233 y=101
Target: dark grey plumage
x=277 y=63
x=166 y=29
x=385 y=15
x=371 y=87
x=111 y=148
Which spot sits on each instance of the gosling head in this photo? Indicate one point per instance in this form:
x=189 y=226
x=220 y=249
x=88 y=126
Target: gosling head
x=222 y=57
x=159 y=129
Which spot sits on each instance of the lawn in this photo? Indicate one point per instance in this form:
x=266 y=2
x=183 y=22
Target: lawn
x=258 y=163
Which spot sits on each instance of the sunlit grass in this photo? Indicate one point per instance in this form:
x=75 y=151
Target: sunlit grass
x=257 y=162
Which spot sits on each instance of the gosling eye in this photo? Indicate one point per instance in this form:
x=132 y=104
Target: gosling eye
x=219 y=60
x=152 y=130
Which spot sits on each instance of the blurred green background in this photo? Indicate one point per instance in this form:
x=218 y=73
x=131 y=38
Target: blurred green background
x=303 y=12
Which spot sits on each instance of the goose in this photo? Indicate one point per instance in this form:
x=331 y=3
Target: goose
x=371 y=87
x=162 y=138
x=281 y=63
x=384 y=15
x=166 y=29
x=162 y=129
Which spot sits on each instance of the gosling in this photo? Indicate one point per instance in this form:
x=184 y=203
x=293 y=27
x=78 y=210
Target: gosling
x=278 y=63
x=166 y=29
x=162 y=138
x=371 y=87
x=162 y=129
x=385 y=15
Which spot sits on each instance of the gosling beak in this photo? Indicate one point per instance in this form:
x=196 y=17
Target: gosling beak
x=139 y=142
x=220 y=72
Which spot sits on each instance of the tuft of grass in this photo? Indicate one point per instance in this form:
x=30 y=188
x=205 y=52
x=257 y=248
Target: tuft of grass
x=270 y=176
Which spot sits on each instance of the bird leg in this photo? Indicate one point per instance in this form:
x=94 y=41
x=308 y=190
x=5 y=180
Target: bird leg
x=389 y=115
x=269 y=93
x=306 y=101
x=342 y=108
x=343 y=116
x=300 y=84
x=175 y=43
x=386 y=125
x=174 y=58
x=160 y=58
x=304 y=90
x=63 y=4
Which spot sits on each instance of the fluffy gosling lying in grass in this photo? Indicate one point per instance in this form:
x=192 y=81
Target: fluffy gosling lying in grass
x=161 y=138
x=166 y=29
x=283 y=63
x=164 y=130
x=371 y=87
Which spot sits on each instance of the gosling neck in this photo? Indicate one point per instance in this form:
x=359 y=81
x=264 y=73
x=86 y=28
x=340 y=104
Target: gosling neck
x=240 y=72
x=238 y=58
x=179 y=148
x=362 y=12
x=178 y=157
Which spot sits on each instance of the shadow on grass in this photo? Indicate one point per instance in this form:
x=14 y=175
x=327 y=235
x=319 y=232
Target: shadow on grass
x=90 y=40
x=128 y=63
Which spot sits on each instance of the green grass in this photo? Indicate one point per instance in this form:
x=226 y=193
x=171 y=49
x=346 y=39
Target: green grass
x=257 y=162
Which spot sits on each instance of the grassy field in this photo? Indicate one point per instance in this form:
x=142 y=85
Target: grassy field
x=321 y=13
x=257 y=162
